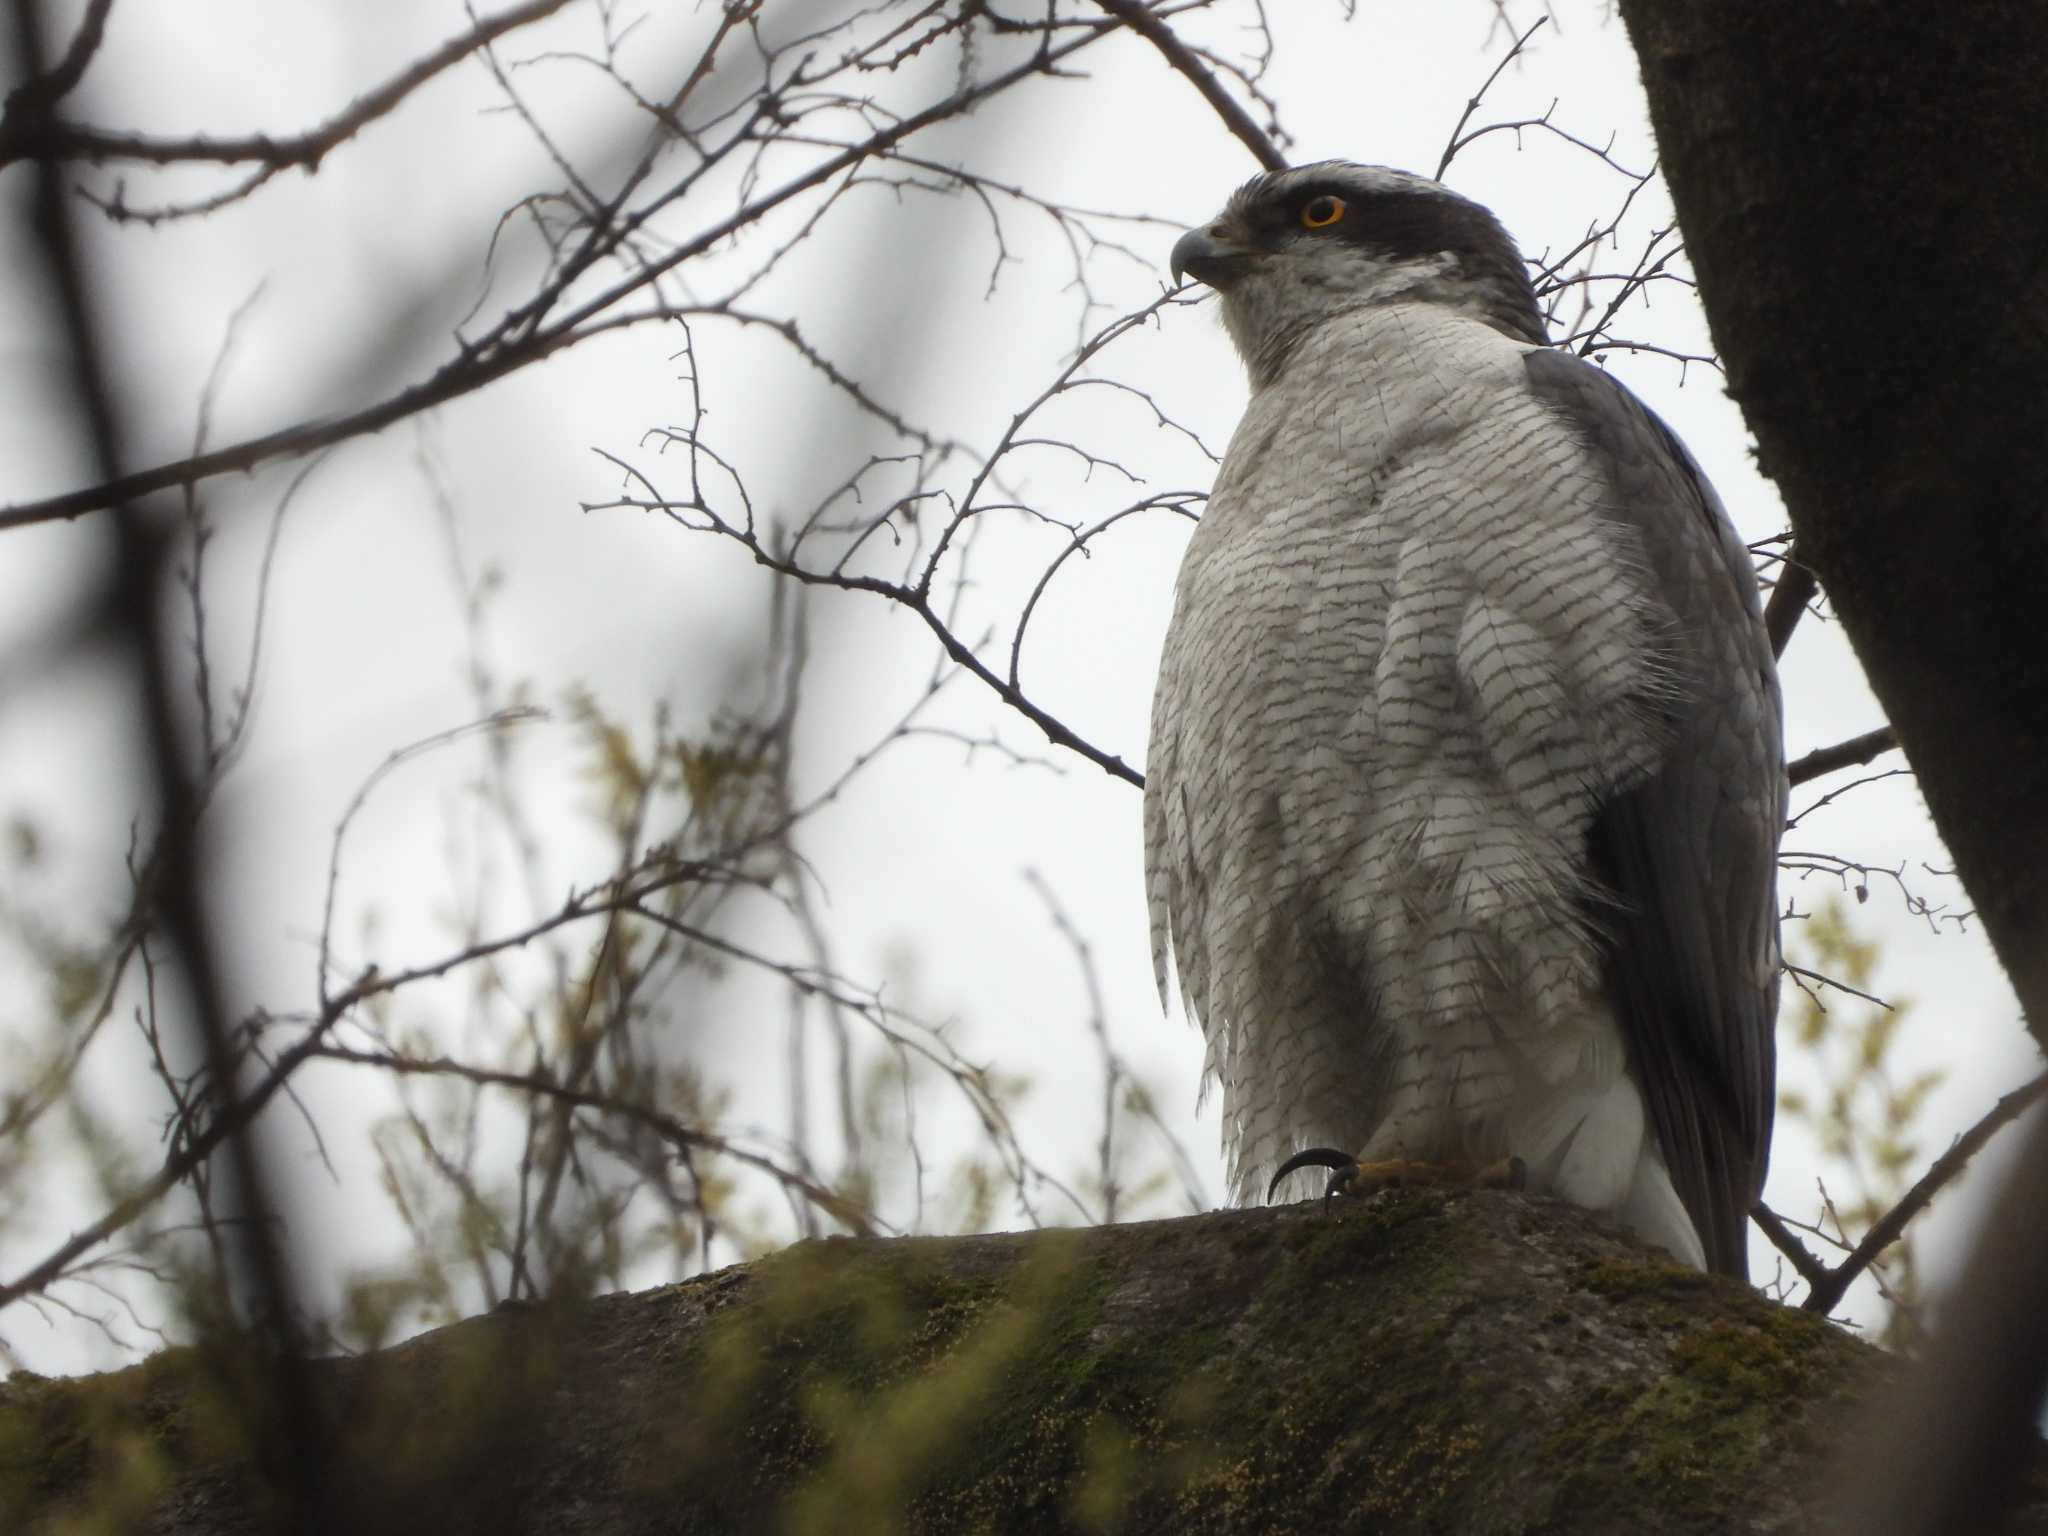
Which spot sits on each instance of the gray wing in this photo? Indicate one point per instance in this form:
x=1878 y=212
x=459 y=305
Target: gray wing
x=1690 y=853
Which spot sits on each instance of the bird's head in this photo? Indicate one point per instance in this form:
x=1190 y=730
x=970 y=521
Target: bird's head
x=1292 y=248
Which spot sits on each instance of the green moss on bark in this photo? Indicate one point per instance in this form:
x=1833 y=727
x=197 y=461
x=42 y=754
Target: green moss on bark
x=1425 y=1361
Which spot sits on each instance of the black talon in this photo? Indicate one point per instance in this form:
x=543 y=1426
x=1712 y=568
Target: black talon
x=1318 y=1157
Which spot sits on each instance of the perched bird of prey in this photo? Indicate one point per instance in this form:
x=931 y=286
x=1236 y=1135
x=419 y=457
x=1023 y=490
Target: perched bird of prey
x=1466 y=774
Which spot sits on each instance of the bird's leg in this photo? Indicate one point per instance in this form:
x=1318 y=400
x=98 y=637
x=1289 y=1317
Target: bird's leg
x=1352 y=1177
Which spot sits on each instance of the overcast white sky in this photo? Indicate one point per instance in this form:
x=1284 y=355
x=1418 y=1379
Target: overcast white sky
x=923 y=863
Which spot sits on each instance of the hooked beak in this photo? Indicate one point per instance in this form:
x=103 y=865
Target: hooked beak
x=1209 y=256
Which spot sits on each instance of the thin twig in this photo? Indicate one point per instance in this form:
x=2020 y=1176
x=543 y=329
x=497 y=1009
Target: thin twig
x=1821 y=980
x=665 y=1125
x=1454 y=143
x=1799 y=816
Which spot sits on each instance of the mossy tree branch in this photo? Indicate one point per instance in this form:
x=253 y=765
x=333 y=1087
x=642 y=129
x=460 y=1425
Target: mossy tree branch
x=1424 y=1361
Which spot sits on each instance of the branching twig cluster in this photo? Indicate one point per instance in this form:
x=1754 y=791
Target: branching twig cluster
x=766 y=134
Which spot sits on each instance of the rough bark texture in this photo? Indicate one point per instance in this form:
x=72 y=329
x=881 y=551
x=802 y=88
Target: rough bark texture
x=1467 y=1362
x=1864 y=193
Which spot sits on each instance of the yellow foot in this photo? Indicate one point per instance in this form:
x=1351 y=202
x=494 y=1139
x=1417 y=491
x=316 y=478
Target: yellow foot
x=1351 y=1177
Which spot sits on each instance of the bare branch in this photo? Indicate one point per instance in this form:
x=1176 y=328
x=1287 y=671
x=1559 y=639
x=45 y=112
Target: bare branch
x=1135 y=15
x=26 y=136
x=1852 y=753
x=452 y=381
x=519 y=340
x=1827 y=1292
x=1811 y=1269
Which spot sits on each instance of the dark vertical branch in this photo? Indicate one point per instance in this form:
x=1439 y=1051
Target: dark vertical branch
x=172 y=899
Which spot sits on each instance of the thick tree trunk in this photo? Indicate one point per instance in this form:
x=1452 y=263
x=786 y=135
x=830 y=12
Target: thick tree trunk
x=1448 y=1362
x=1864 y=194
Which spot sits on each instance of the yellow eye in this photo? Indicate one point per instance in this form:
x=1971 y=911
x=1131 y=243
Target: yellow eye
x=1321 y=212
